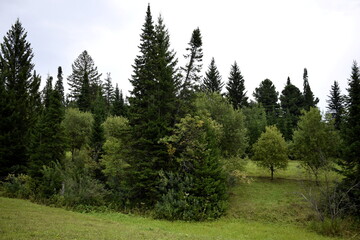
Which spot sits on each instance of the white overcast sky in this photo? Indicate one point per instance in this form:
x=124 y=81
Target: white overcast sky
x=268 y=38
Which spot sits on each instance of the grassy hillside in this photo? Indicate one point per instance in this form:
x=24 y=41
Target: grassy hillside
x=20 y=219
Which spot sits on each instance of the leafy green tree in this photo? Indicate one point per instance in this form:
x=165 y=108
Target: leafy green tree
x=119 y=107
x=47 y=143
x=315 y=142
x=212 y=82
x=236 y=88
x=309 y=99
x=77 y=127
x=20 y=96
x=255 y=122
x=233 y=142
x=267 y=96
x=84 y=81
x=336 y=104
x=270 y=151
x=291 y=102
x=152 y=111
x=196 y=190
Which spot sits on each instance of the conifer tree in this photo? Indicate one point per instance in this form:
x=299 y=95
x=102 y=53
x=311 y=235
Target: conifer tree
x=291 y=101
x=193 y=67
x=236 y=88
x=84 y=71
x=108 y=90
x=212 y=81
x=84 y=98
x=309 y=99
x=152 y=110
x=118 y=103
x=336 y=105
x=59 y=85
x=21 y=95
x=267 y=96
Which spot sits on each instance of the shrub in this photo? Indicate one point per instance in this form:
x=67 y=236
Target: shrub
x=18 y=186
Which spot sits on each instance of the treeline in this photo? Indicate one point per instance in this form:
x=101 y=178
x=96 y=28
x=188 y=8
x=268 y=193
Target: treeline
x=175 y=145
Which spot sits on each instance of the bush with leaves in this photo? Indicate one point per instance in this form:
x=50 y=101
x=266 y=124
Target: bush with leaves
x=19 y=186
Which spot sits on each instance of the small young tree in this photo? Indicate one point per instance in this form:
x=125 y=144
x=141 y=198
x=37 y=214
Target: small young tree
x=315 y=142
x=270 y=151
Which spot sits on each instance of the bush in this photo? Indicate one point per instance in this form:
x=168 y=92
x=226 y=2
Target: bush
x=18 y=186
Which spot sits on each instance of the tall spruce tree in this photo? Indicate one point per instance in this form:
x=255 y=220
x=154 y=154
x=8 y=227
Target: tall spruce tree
x=336 y=105
x=152 y=111
x=236 y=88
x=84 y=72
x=118 y=104
x=97 y=138
x=309 y=99
x=84 y=99
x=291 y=102
x=192 y=69
x=20 y=93
x=212 y=81
x=267 y=96
x=59 y=85
x=108 y=90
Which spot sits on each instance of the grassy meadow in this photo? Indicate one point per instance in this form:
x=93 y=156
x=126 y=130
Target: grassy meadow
x=259 y=209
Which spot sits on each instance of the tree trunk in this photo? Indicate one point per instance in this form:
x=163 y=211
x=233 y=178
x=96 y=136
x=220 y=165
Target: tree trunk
x=272 y=172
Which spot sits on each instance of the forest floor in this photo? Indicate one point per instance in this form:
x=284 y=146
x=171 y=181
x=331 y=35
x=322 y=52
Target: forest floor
x=259 y=208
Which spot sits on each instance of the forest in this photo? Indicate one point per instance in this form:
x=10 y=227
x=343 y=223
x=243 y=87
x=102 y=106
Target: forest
x=179 y=143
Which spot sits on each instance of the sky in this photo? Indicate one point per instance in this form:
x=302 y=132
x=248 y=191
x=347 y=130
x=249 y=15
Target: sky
x=268 y=39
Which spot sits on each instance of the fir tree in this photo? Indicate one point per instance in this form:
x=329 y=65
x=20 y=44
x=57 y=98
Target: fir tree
x=118 y=103
x=212 y=81
x=236 y=88
x=59 y=85
x=152 y=110
x=20 y=93
x=291 y=101
x=267 y=96
x=84 y=71
x=97 y=135
x=336 y=105
x=84 y=98
x=108 y=90
x=309 y=100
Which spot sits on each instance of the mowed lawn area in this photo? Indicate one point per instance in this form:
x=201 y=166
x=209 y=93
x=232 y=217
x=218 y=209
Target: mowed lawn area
x=260 y=209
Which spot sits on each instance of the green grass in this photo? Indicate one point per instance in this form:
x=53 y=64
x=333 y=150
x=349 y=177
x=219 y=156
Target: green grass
x=21 y=219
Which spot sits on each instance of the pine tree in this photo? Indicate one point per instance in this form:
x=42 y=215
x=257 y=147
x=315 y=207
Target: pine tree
x=84 y=71
x=152 y=110
x=59 y=85
x=267 y=96
x=84 y=98
x=309 y=100
x=108 y=90
x=118 y=103
x=336 y=104
x=236 y=88
x=212 y=81
x=291 y=101
x=193 y=67
x=20 y=89
x=97 y=135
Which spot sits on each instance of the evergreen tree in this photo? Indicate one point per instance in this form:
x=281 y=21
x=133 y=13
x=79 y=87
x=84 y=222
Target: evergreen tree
x=236 y=88
x=108 y=90
x=97 y=135
x=336 y=104
x=118 y=103
x=193 y=67
x=47 y=142
x=20 y=95
x=291 y=101
x=84 y=98
x=59 y=85
x=309 y=100
x=212 y=81
x=267 y=96
x=152 y=110
x=84 y=71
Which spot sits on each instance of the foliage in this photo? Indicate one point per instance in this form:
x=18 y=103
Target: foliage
x=270 y=151
x=267 y=96
x=309 y=99
x=236 y=88
x=119 y=107
x=315 y=142
x=212 y=82
x=336 y=105
x=234 y=141
x=77 y=128
x=18 y=186
x=197 y=190
x=20 y=99
x=291 y=102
